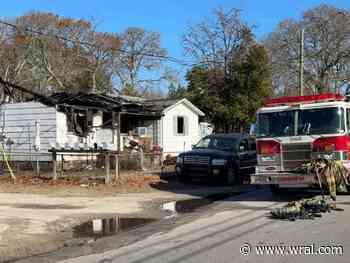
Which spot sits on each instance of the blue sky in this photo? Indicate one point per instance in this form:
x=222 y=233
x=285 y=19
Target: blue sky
x=167 y=17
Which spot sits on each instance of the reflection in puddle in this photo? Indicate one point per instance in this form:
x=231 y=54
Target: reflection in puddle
x=187 y=206
x=108 y=226
x=190 y=205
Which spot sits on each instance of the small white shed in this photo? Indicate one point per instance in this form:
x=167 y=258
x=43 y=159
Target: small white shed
x=178 y=129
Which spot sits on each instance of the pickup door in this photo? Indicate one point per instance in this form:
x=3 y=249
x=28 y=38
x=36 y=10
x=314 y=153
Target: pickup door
x=247 y=154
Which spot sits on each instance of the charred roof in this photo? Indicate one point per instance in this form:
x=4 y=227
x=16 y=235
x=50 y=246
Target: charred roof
x=92 y=101
x=161 y=104
x=101 y=102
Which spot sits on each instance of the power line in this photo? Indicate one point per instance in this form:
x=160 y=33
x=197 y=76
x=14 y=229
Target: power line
x=83 y=43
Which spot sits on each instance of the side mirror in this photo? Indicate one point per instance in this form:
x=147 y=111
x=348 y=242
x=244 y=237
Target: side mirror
x=252 y=130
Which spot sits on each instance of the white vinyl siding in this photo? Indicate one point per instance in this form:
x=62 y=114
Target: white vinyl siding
x=18 y=120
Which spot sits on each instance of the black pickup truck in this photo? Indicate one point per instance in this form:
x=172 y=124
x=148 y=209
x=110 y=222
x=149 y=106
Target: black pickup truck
x=224 y=158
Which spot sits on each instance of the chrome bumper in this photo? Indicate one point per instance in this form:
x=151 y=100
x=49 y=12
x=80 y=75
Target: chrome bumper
x=283 y=178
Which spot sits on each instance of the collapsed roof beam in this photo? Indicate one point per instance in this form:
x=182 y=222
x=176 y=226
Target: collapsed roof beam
x=42 y=98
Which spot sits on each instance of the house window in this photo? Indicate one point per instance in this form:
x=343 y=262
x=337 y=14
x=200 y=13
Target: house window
x=180 y=125
x=70 y=121
x=107 y=119
x=79 y=122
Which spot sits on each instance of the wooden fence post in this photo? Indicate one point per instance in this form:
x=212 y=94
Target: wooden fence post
x=116 y=168
x=107 y=166
x=54 y=165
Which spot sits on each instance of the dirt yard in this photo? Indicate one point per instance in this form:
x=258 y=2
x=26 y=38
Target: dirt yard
x=37 y=214
x=78 y=183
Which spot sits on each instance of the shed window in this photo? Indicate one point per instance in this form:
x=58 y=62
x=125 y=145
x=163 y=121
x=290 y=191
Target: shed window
x=180 y=125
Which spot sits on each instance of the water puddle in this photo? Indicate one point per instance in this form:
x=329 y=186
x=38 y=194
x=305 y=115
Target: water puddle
x=190 y=205
x=98 y=228
x=103 y=227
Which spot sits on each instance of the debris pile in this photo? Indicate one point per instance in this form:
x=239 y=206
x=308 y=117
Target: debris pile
x=305 y=209
x=42 y=180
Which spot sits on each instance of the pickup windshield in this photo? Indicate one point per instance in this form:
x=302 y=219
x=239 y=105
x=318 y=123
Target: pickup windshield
x=301 y=122
x=216 y=143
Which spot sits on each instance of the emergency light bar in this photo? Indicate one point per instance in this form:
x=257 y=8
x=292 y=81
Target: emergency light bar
x=287 y=100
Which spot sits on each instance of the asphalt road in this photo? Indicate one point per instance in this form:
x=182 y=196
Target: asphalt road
x=238 y=226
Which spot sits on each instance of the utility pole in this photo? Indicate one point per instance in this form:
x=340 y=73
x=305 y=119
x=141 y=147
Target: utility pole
x=301 y=64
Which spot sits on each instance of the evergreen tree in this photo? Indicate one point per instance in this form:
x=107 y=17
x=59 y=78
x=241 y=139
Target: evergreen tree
x=176 y=92
x=230 y=100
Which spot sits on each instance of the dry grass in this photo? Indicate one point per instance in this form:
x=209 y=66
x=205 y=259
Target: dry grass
x=79 y=183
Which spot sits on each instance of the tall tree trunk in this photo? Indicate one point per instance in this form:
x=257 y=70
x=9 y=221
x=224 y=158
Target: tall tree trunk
x=94 y=82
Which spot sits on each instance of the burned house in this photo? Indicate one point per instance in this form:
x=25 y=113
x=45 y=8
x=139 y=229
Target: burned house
x=30 y=129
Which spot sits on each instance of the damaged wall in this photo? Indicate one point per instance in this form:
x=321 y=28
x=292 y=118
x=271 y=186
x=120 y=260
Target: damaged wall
x=17 y=121
x=65 y=136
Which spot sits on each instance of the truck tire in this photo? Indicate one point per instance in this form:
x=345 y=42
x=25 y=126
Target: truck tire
x=183 y=178
x=277 y=191
x=231 y=177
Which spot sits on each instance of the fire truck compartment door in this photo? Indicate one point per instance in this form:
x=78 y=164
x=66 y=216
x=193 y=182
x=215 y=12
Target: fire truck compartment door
x=282 y=178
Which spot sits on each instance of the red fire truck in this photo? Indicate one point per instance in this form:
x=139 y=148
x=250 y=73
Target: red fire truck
x=293 y=130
